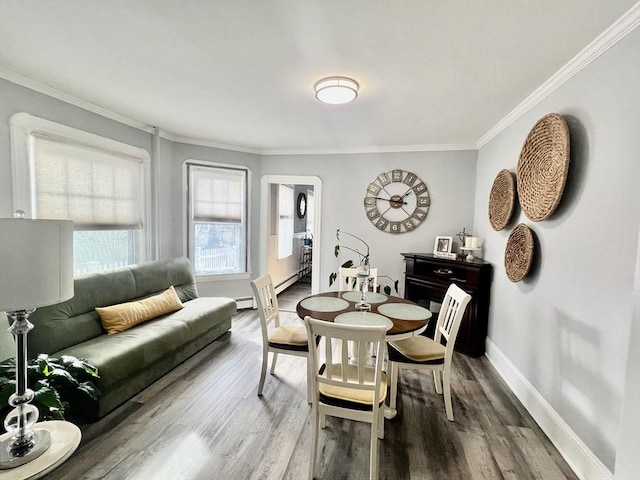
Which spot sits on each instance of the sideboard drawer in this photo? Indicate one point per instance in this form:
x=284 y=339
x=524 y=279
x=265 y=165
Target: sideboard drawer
x=440 y=272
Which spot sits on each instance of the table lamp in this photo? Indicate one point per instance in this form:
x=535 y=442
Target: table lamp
x=36 y=269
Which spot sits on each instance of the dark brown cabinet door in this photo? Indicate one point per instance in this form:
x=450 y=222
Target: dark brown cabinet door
x=427 y=278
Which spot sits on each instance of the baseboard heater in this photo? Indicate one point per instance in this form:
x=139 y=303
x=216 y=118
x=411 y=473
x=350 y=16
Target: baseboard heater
x=249 y=302
x=279 y=288
x=245 y=302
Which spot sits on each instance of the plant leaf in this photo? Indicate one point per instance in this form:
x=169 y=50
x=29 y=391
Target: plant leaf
x=48 y=397
x=59 y=374
x=347 y=264
x=395 y=285
x=387 y=289
x=79 y=366
x=336 y=250
x=332 y=278
x=89 y=389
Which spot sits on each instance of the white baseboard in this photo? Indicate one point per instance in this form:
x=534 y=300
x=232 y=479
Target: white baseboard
x=249 y=302
x=245 y=303
x=286 y=284
x=582 y=460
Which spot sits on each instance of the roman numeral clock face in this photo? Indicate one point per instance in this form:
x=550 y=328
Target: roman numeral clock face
x=397 y=201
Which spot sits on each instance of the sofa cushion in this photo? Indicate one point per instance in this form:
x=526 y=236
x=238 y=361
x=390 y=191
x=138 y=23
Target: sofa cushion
x=153 y=277
x=75 y=321
x=121 y=317
x=117 y=357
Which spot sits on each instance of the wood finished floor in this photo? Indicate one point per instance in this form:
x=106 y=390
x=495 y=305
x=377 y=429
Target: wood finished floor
x=204 y=421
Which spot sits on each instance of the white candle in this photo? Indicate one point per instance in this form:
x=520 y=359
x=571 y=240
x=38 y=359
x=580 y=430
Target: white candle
x=474 y=242
x=467 y=241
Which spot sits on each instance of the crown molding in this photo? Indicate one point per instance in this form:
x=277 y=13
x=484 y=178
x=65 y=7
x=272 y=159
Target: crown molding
x=45 y=89
x=371 y=149
x=206 y=143
x=622 y=27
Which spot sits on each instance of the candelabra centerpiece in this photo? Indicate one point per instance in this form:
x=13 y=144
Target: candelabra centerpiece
x=363 y=279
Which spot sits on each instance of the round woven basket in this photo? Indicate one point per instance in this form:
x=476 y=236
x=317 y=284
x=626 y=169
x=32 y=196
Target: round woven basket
x=501 y=200
x=519 y=253
x=543 y=167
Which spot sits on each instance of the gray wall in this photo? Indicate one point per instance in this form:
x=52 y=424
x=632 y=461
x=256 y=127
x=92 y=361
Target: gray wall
x=566 y=327
x=449 y=176
x=299 y=224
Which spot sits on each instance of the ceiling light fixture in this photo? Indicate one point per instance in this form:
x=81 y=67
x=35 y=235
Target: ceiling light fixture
x=336 y=90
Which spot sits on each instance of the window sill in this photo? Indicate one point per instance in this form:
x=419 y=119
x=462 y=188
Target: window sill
x=222 y=278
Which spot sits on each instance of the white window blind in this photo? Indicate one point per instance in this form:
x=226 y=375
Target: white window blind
x=218 y=195
x=97 y=189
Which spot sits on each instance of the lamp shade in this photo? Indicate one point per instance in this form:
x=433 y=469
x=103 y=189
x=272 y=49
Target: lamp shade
x=36 y=263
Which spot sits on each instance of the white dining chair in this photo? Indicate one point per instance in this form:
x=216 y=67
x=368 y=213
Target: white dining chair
x=277 y=338
x=348 y=279
x=343 y=388
x=422 y=353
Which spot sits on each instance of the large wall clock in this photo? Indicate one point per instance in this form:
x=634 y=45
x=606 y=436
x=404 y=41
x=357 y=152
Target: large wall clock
x=397 y=201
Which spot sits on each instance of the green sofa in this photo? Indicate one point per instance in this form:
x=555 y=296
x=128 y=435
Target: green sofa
x=131 y=360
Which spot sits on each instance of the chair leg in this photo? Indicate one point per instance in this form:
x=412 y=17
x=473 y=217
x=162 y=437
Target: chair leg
x=437 y=381
x=394 y=385
x=323 y=420
x=309 y=380
x=273 y=362
x=381 y=423
x=314 y=441
x=373 y=454
x=263 y=373
x=446 y=380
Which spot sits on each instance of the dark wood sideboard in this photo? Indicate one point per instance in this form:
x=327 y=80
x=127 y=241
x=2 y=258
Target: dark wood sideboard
x=427 y=278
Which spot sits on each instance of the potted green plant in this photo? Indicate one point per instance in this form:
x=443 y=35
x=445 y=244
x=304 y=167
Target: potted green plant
x=55 y=382
x=363 y=259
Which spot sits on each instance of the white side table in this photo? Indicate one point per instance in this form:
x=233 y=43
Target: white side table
x=65 y=438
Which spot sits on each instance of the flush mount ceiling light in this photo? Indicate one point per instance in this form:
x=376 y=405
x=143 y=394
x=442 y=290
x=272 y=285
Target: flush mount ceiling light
x=336 y=90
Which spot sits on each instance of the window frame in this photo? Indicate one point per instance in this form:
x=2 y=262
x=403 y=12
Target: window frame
x=24 y=125
x=186 y=227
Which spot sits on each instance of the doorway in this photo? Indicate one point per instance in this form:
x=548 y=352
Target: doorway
x=269 y=224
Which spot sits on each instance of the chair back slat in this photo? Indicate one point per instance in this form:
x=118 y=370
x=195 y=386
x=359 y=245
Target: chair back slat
x=328 y=353
x=338 y=369
x=451 y=313
x=267 y=301
x=348 y=279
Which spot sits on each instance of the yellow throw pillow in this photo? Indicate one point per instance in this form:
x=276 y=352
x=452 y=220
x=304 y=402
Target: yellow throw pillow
x=123 y=316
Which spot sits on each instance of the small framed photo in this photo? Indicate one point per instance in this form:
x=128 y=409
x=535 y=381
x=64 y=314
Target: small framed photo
x=443 y=245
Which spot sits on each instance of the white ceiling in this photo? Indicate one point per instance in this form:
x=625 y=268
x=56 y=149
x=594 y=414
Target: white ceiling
x=433 y=73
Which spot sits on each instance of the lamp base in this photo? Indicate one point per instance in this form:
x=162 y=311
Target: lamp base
x=11 y=457
x=65 y=438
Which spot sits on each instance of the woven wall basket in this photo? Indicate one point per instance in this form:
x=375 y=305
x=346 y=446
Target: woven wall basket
x=501 y=200
x=519 y=253
x=543 y=167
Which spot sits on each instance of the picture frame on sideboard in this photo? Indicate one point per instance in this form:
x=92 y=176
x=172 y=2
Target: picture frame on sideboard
x=442 y=245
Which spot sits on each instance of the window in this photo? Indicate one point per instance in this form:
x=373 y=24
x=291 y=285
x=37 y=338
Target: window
x=98 y=183
x=285 y=221
x=217 y=218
